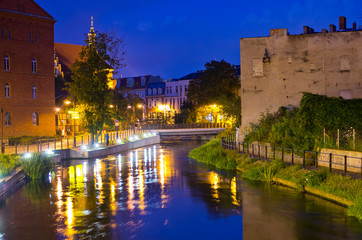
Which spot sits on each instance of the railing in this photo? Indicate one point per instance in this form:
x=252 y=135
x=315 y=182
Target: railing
x=314 y=159
x=68 y=142
x=182 y=126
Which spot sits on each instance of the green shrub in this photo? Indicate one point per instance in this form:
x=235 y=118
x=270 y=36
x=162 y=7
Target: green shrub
x=356 y=209
x=8 y=163
x=37 y=165
x=226 y=132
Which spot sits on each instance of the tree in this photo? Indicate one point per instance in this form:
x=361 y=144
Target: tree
x=89 y=88
x=219 y=85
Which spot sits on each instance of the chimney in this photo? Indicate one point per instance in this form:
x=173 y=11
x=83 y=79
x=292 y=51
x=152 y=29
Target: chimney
x=342 y=23
x=354 y=25
x=324 y=31
x=332 y=28
x=307 y=30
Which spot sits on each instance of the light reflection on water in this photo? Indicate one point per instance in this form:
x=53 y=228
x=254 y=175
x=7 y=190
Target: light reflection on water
x=158 y=193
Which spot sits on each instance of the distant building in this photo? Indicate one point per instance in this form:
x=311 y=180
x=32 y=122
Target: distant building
x=155 y=95
x=176 y=91
x=27 y=76
x=276 y=70
x=134 y=85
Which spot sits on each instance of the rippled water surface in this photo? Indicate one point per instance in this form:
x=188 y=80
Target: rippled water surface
x=157 y=192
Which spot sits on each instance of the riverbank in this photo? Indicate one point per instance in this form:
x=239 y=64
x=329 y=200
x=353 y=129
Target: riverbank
x=331 y=186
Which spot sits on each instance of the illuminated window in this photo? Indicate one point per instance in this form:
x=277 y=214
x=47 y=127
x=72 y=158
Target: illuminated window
x=35 y=119
x=7 y=90
x=6 y=63
x=34 y=92
x=7 y=119
x=33 y=65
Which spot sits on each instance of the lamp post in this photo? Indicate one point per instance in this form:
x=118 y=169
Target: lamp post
x=67 y=102
x=2 y=131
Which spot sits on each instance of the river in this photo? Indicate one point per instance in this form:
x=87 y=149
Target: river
x=157 y=192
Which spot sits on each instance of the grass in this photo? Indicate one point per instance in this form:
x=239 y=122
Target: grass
x=36 y=166
x=8 y=163
x=342 y=187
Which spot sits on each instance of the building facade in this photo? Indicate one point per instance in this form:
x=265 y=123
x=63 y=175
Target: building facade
x=276 y=70
x=155 y=98
x=27 y=75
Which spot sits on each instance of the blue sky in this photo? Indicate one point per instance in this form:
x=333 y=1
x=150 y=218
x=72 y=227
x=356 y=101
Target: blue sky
x=173 y=38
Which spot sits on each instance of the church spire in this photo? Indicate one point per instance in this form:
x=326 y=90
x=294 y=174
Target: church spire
x=92 y=34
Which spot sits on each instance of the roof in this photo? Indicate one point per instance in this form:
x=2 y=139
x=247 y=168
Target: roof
x=67 y=54
x=122 y=82
x=25 y=7
x=192 y=75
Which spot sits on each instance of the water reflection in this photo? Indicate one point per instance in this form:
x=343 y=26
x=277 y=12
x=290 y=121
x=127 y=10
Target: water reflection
x=158 y=193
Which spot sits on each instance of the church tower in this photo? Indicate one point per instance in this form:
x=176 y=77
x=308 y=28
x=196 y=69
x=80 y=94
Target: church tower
x=92 y=34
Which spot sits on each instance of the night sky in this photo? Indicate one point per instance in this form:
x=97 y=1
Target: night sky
x=173 y=38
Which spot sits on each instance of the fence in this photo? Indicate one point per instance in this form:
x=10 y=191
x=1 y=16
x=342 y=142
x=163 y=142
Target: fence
x=348 y=138
x=182 y=126
x=346 y=163
x=67 y=142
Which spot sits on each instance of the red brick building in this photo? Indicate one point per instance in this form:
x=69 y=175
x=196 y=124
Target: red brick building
x=27 y=74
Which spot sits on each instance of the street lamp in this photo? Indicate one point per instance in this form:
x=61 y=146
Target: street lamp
x=2 y=131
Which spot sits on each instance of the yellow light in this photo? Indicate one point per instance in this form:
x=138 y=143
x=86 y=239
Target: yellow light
x=67 y=102
x=161 y=107
x=111 y=106
x=139 y=105
x=57 y=109
x=129 y=106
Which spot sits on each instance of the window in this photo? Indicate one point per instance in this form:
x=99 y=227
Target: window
x=143 y=81
x=170 y=89
x=33 y=65
x=149 y=91
x=2 y=33
x=180 y=90
x=185 y=88
x=150 y=103
x=7 y=90
x=154 y=91
x=30 y=38
x=34 y=92
x=176 y=89
x=173 y=107
x=9 y=35
x=35 y=119
x=155 y=103
x=6 y=63
x=7 y=119
x=130 y=82
x=36 y=38
x=160 y=91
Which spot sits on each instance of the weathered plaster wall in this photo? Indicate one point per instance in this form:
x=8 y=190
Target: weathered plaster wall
x=321 y=63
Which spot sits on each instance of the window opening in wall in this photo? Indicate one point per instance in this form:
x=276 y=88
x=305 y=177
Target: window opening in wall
x=9 y=35
x=33 y=65
x=149 y=91
x=30 y=38
x=180 y=90
x=7 y=119
x=35 y=119
x=6 y=63
x=36 y=38
x=160 y=91
x=176 y=89
x=2 y=33
x=154 y=91
x=7 y=90
x=34 y=92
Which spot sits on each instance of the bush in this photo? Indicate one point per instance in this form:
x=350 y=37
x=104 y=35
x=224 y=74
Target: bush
x=226 y=132
x=8 y=163
x=37 y=165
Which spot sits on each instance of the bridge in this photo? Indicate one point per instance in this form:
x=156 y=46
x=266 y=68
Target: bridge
x=193 y=133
